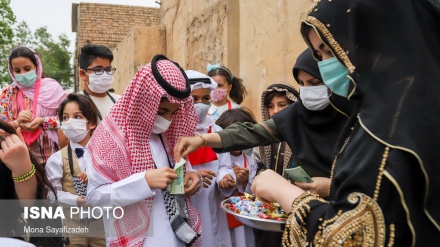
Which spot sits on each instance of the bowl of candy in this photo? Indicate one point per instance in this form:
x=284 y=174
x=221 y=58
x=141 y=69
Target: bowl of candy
x=256 y=214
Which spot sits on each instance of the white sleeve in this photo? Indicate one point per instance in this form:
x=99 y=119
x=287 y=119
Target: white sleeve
x=225 y=167
x=54 y=170
x=252 y=173
x=104 y=193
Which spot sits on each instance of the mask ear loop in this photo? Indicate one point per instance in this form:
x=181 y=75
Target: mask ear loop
x=354 y=88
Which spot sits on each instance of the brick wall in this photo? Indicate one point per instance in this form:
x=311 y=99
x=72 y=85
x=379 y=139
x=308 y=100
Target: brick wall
x=108 y=24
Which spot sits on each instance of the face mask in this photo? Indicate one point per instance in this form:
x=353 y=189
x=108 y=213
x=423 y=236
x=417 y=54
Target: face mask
x=218 y=94
x=314 y=98
x=160 y=125
x=202 y=110
x=334 y=74
x=27 y=79
x=75 y=129
x=100 y=83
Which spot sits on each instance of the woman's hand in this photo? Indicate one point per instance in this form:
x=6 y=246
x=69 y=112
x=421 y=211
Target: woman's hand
x=24 y=117
x=270 y=186
x=160 y=178
x=320 y=186
x=191 y=183
x=186 y=145
x=207 y=176
x=15 y=154
x=32 y=126
x=227 y=182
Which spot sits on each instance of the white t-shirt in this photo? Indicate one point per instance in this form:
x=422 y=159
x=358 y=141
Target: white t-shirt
x=104 y=104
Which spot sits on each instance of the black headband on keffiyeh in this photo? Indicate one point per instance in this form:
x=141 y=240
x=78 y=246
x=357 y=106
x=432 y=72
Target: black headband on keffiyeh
x=181 y=94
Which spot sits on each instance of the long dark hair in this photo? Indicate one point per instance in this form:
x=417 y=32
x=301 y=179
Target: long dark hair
x=7 y=188
x=238 y=90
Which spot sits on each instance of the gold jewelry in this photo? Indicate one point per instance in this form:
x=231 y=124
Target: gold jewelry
x=203 y=138
x=26 y=176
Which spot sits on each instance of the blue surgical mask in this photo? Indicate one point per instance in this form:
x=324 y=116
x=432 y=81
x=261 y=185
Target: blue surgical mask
x=27 y=79
x=334 y=75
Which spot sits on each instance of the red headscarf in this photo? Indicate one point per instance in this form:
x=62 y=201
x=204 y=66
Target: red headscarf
x=120 y=146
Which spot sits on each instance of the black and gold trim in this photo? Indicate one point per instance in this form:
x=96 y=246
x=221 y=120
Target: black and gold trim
x=362 y=226
x=332 y=43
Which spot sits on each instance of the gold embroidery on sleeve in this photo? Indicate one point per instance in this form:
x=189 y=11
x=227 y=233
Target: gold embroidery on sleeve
x=362 y=226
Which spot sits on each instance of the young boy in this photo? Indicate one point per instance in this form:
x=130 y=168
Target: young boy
x=211 y=166
x=67 y=167
x=96 y=71
x=132 y=164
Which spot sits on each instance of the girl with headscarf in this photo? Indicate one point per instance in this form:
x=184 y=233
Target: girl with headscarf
x=277 y=156
x=31 y=102
x=214 y=168
x=132 y=164
x=230 y=91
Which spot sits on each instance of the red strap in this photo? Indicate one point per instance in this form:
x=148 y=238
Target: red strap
x=245 y=161
x=229 y=105
x=30 y=136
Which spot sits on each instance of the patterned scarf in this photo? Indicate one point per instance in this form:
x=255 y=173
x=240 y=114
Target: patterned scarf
x=120 y=146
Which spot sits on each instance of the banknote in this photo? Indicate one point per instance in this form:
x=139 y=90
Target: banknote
x=177 y=186
x=299 y=175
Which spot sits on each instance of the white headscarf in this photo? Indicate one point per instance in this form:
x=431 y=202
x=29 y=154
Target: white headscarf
x=192 y=75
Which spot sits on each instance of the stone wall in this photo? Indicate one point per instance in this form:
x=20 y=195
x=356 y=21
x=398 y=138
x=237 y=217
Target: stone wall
x=135 y=51
x=257 y=40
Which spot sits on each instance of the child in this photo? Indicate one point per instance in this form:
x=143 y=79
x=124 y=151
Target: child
x=228 y=87
x=210 y=166
x=67 y=167
x=131 y=163
x=245 y=169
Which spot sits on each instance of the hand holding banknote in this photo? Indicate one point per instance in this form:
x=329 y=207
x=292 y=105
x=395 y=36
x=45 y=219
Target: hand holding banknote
x=160 y=178
x=320 y=186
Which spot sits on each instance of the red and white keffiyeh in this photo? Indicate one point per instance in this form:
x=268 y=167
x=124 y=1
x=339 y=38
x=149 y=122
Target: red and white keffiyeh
x=120 y=146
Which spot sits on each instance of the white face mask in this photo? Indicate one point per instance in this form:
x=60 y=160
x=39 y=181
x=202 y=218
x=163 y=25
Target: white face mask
x=202 y=109
x=75 y=129
x=314 y=98
x=160 y=125
x=100 y=83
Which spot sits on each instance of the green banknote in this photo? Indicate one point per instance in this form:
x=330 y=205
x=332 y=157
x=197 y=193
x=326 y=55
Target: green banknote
x=177 y=186
x=299 y=175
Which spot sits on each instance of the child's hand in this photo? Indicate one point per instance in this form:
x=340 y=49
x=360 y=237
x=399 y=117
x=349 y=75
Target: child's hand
x=243 y=175
x=227 y=182
x=207 y=176
x=191 y=187
x=160 y=178
x=33 y=125
x=81 y=201
x=83 y=177
x=25 y=116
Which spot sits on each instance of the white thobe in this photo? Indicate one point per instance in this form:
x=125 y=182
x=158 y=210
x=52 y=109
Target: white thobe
x=54 y=170
x=134 y=189
x=215 y=231
x=243 y=236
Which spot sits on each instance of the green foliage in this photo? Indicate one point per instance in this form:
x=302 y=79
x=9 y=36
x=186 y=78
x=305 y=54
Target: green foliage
x=7 y=20
x=53 y=52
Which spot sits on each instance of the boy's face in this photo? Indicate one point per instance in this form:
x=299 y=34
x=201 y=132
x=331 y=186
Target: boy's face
x=99 y=62
x=201 y=95
x=72 y=111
